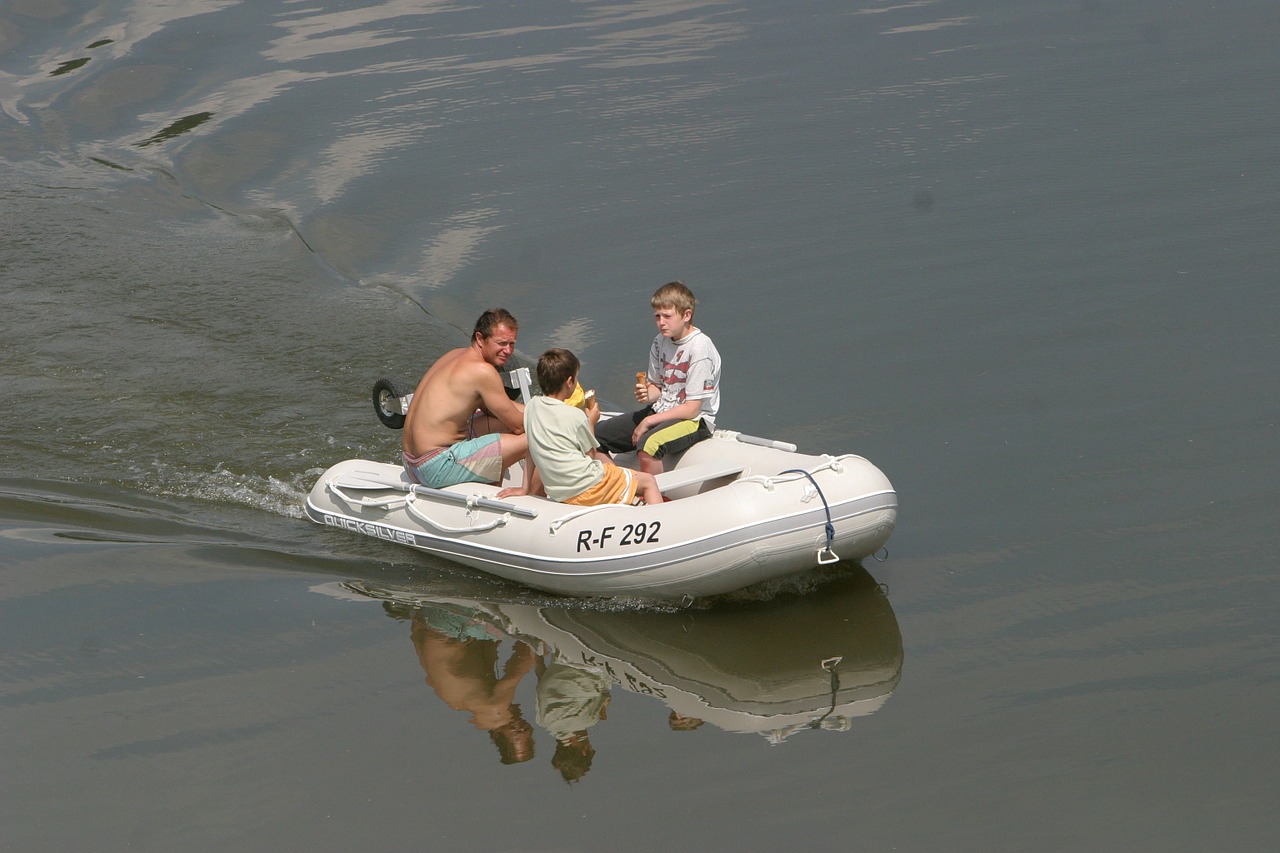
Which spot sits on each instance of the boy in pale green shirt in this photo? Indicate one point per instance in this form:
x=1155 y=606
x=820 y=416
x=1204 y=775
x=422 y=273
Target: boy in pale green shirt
x=562 y=443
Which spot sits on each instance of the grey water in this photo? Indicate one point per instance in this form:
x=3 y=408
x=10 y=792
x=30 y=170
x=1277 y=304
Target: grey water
x=1022 y=256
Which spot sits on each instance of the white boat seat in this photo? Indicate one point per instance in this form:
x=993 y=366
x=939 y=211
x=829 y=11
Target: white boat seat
x=693 y=474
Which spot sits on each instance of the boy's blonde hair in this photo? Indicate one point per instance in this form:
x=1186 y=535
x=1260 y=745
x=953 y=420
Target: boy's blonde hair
x=675 y=295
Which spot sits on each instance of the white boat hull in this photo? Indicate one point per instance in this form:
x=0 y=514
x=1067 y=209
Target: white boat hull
x=711 y=537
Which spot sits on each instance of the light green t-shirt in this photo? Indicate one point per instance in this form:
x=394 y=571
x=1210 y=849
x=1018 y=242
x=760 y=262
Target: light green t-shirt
x=559 y=440
x=570 y=698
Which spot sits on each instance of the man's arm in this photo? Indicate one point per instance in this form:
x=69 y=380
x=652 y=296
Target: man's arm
x=493 y=397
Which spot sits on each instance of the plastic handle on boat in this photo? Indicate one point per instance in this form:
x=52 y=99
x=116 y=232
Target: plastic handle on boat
x=767 y=442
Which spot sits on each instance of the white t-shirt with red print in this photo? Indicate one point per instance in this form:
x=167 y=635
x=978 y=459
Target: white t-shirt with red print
x=687 y=369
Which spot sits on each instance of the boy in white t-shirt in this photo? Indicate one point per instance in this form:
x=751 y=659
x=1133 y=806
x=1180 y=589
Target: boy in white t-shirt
x=562 y=444
x=681 y=387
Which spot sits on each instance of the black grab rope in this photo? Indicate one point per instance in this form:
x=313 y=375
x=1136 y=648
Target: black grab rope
x=831 y=531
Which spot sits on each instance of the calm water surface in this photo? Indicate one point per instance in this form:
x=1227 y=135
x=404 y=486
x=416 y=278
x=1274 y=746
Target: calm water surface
x=1021 y=256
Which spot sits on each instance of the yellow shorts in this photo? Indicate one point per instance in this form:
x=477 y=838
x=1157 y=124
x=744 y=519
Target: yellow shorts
x=617 y=486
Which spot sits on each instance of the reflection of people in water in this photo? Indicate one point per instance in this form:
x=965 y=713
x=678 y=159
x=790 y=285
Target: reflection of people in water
x=571 y=699
x=460 y=659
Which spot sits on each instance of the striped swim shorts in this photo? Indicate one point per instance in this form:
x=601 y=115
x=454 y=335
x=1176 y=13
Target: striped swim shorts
x=475 y=460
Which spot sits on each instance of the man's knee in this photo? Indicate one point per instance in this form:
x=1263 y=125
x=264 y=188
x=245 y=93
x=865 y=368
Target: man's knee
x=514 y=447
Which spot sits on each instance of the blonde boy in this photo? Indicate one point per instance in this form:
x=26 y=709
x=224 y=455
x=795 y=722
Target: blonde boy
x=563 y=447
x=681 y=387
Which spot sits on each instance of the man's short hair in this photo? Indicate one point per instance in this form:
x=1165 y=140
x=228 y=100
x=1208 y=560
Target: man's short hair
x=491 y=320
x=675 y=295
x=554 y=369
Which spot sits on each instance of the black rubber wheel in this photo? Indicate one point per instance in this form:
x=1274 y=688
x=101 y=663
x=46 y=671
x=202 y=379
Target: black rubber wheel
x=386 y=403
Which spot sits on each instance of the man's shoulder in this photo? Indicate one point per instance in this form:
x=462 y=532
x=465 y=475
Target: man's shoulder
x=453 y=355
x=472 y=366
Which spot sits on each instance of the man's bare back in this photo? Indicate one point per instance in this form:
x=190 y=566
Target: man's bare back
x=462 y=382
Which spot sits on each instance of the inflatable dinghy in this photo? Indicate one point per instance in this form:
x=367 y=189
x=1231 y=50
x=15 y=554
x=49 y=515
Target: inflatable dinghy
x=739 y=511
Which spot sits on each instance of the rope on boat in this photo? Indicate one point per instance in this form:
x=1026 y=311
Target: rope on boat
x=413 y=510
x=825 y=554
x=557 y=523
x=388 y=502
x=832 y=463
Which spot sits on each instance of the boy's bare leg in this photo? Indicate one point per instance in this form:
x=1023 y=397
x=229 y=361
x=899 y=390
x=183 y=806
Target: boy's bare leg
x=647 y=486
x=515 y=448
x=648 y=464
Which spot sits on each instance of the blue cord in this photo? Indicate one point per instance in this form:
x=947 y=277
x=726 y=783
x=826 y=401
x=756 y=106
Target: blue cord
x=831 y=531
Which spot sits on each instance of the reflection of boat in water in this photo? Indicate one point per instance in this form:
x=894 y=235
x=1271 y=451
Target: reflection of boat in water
x=769 y=667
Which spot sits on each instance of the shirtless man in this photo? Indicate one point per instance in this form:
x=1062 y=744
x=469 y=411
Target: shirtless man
x=461 y=426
